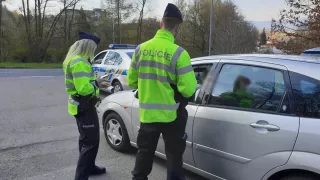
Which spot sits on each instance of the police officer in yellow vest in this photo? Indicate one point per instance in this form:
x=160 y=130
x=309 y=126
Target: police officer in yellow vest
x=83 y=96
x=164 y=77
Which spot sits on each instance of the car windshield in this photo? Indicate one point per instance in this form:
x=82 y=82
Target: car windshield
x=130 y=54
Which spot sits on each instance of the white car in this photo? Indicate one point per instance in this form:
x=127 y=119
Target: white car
x=111 y=66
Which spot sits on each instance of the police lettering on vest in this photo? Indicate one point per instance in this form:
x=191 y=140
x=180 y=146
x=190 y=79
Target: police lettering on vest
x=156 y=53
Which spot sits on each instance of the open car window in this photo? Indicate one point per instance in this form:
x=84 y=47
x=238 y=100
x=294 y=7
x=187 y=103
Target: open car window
x=201 y=72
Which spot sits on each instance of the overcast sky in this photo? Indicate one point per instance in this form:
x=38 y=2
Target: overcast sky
x=253 y=10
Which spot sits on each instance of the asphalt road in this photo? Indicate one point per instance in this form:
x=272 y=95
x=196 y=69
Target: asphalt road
x=38 y=139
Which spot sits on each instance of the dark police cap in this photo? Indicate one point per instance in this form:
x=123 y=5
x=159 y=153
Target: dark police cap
x=173 y=11
x=85 y=35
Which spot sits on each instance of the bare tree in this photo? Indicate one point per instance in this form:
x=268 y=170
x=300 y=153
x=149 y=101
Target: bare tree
x=141 y=7
x=39 y=38
x=231 y=33
x=300 y=22
x=122 y=9
x=1 y=33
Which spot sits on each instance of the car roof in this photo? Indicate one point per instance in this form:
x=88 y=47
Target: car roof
x=307 y=65
x=120 y=50
x=267 y=58
x=313 y=50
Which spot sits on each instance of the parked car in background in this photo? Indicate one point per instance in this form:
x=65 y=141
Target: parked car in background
x=315 y=52
x=254 y=117
x=110 y=67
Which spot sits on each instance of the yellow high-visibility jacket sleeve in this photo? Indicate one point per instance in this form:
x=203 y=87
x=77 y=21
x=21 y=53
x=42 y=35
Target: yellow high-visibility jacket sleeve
x=82 y=76
x=132 y=76
x=186 y=80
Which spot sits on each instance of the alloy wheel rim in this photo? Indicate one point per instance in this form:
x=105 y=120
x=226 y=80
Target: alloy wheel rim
x=114 y=132
x=117 y=88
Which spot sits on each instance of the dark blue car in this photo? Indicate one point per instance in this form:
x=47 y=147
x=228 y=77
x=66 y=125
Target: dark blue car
x=312 y=52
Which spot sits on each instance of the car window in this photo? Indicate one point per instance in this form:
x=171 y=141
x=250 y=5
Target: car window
x=248 y=87
x=111 y=57
x=306 y=93
x=117 y=59
x=201 y=72
x=98 y=59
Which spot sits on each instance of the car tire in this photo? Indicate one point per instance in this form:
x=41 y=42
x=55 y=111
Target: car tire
x=116 y=133
x=117 y=86
x=299 y=177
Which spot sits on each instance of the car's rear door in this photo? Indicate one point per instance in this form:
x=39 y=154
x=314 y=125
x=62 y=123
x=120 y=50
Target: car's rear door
x=244 y=127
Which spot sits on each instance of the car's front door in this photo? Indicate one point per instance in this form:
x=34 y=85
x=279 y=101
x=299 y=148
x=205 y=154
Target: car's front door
x=201 y=70
x=110 y=67
x=244 y=127
x=97 y=64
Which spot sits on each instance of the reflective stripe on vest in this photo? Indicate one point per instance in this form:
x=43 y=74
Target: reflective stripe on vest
x=79 y=60
x=184 y=70
x=71 y=101
x=70 y=86
x=68 y=76
x=159 y=106
x=82 y=74
x=175 y=58
x=157 y=77
x=137 y=54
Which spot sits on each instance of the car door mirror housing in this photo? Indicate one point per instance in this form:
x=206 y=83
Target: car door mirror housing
x=136 y=94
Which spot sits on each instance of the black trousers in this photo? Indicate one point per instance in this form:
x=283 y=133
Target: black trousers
x=88 y=126
x=175 y=143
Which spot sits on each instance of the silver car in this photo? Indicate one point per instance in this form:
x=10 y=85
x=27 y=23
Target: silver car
x=254 y=117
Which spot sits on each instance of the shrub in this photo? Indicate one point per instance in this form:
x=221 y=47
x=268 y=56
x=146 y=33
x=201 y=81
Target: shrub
x=55 y=55
x=20 y=54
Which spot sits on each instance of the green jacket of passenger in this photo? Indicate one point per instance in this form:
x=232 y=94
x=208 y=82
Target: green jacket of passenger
x=240 y=98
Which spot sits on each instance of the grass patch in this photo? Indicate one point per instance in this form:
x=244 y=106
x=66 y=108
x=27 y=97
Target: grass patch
x=30 y=65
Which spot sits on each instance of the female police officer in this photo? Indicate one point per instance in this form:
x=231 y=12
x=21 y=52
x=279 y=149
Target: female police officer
x=83 y=96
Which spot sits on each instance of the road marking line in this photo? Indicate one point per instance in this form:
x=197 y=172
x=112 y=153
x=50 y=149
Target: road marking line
x=35 y=76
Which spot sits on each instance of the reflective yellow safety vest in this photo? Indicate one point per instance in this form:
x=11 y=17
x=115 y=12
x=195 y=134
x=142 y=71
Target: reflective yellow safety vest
x=157 y=65
x=79 y=81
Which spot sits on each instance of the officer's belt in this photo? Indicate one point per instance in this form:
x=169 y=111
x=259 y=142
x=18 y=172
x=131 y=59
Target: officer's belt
x=85 y=102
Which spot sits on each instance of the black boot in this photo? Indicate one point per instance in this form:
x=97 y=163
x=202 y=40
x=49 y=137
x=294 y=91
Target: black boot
x=98 y=170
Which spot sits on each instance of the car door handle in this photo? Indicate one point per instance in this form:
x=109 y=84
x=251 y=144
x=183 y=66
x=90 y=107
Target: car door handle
x=268 y=127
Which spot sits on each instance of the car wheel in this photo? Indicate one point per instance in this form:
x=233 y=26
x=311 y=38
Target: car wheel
x=299 y=177
x=117 y=86
x=116 y=133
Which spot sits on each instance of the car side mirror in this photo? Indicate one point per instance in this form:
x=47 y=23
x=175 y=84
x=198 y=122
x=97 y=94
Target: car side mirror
x=136 y=94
